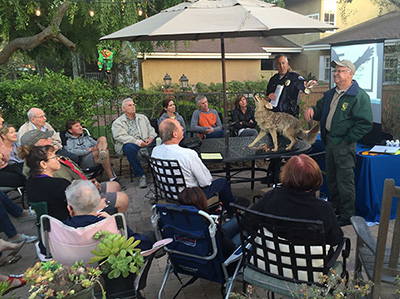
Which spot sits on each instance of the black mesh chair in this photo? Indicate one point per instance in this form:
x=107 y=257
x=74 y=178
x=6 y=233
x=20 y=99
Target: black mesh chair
x=280 y=254
x=168 y=178
x=169 y=182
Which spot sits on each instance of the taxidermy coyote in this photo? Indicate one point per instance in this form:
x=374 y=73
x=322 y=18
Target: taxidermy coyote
x=279 y=122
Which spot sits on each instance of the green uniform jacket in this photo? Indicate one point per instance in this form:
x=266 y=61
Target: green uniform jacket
x=352 y=118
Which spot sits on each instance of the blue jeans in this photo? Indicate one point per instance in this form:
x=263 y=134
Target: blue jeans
x=232 y=229
x=216 y=134
x=131 y=151
x=7 y=206
x=222 y=187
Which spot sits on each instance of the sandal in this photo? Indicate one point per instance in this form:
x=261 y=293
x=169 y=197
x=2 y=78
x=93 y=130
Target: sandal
x=11 y=279
x=10 y=259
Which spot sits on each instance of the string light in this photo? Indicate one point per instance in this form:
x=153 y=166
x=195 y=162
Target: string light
x=140 y=10
x=38 y=12
x=91 y=12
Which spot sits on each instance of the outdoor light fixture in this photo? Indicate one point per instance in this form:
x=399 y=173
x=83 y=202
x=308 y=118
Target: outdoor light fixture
x=91 y=12
x=184 y=82
x=140 y=10
x=38 y=12
x=167 y=81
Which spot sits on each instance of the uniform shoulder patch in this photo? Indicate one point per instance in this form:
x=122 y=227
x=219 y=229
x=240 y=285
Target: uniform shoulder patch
x=301 y=78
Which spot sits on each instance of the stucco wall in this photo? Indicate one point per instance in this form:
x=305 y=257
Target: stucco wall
x=199 y=70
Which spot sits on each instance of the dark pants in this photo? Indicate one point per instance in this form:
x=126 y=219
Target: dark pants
x=12 y=176
x=221 y=186
x=215 y=134
x=131 y=151
x=7 y=206
x=340 y=162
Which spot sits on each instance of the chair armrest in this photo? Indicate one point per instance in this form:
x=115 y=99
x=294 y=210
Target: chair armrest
x=362 y=230
x=235 y=256
x=344 y=248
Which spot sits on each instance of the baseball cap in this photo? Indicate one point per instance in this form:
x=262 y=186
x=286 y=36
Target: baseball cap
x=345 y=62
x=30 y=138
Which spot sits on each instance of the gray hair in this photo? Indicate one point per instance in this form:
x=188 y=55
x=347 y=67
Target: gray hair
x=166 y=129
x=126 y=100
x=199 y=98
x=279 y=56
x=30 y=114
x=82 y=196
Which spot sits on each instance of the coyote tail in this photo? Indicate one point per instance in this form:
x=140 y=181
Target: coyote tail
x=311 y=136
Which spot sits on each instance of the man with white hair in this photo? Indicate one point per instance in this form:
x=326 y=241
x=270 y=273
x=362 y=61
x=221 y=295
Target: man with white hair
x=85 y=206
x=37 y=121
x=345 y=116
x=132 y=131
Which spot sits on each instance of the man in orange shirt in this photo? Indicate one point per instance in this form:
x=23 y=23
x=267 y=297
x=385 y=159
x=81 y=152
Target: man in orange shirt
x=206 y=121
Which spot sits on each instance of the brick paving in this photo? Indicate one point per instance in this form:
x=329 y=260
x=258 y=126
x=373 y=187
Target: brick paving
x=138 y=218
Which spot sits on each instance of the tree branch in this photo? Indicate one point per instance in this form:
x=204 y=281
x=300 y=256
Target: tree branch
x=31 y=42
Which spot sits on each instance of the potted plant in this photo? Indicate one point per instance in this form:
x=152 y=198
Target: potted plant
x=120 y=260
x=54 y=280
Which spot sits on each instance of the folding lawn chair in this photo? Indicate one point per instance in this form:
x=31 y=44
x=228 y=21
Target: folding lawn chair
x=196 y=249
x=67 y=244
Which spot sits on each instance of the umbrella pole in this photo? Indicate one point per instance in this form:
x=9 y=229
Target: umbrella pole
x=226 y=128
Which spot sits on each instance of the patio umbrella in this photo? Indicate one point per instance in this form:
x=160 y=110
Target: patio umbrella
x=212 y=19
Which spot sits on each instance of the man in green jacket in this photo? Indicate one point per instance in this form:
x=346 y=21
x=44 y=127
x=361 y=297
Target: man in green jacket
x=345 y=116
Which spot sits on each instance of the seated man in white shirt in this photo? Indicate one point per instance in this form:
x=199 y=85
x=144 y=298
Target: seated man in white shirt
x=194 y=171
x=37 y=121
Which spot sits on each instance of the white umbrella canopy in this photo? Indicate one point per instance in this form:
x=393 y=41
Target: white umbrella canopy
x=208 y=19
x=212 y=19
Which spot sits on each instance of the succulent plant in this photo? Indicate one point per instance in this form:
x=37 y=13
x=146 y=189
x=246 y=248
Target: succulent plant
x=117 y=255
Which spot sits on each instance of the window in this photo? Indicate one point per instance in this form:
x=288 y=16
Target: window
x=267 y=64
x=324 y=68
x=391 y=68
x=329 y=17
x=314 y=16
x=330 y=8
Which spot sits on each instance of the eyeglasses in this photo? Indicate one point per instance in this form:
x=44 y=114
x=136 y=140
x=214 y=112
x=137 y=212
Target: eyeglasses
x=42 y=116
x=55 y=157
x=340 y=71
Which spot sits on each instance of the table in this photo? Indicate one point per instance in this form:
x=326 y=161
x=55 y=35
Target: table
x=238 y=152
x=370 y=175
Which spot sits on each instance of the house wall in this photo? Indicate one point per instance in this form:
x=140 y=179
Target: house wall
x=348 y=14
x=200 y=70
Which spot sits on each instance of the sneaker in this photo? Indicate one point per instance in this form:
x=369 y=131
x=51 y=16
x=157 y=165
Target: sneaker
x=143 y=182
x=22 y=237
x=41 y=256
x=31 y=215
x=102 y=157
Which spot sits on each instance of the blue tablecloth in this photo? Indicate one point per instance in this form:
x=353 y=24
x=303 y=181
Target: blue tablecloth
x=370 y=175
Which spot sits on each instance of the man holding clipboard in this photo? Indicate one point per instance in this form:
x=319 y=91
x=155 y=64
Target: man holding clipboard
x=284 y=87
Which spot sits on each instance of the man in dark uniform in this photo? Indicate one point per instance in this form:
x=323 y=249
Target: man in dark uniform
x=283 y=91
x=290 y=84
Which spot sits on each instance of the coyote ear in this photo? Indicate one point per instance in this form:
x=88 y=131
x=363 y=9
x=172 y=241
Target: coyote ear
x=268 y=105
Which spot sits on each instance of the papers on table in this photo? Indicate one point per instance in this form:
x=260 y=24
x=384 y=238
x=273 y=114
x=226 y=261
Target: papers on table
x=278 y=92
x=392 y=150
x=211 y=156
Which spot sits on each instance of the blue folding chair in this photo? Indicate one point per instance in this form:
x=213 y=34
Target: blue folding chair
x=196 y=248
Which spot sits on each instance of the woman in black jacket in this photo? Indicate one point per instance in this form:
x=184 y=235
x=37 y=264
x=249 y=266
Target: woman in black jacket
x=243 y=117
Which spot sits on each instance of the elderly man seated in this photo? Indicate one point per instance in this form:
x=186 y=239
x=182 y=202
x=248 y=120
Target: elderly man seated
x=205 y=120
x=90 y=151
x=37 y=121
x=132 y=131
x=195 y=172
x=86 y=207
